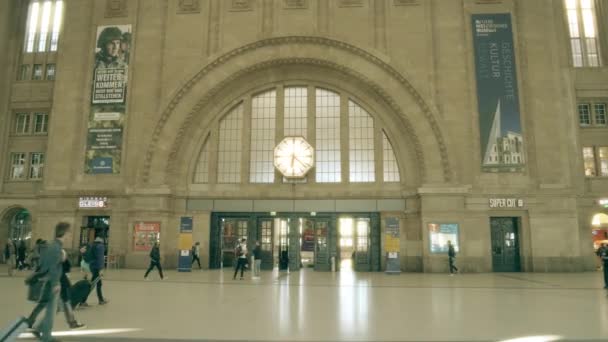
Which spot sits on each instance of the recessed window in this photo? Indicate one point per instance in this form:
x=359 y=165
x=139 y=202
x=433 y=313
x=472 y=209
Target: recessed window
x=22 y=123
x=582 y=28
x=361 y=144
x=229 y=149
x=43 y=25
x=263 y=118
x=600 y=113
x=603 y=160
x=24 y=70
x=202 y=168
x=584 y=114
x=50 y=72
x=328 y=159
x=296 y=111
x=589 y=161
x=41 y=122
x=391 y=170
x=36 y=165
x=37 y=72
x=17 y=165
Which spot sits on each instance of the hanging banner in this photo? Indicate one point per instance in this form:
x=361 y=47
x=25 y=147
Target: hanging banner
x=108 y=99
x=497 y=95
x=145 y=234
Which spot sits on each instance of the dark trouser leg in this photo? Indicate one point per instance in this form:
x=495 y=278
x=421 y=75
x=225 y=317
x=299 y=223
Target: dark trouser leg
x=149 y=269
x=242 y=261
x=95 y=273
x=160 y=270
x=452 y=266
x=37 y=310
x=236 y=270
x=197 y=260
x=606 y=275
x=69 y=313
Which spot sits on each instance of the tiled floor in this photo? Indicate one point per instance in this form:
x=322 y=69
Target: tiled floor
x=315 y=306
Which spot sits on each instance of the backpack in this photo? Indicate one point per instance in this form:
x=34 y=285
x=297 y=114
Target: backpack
x=239 y=250
x=89 y=254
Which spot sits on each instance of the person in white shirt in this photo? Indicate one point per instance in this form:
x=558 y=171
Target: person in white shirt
x=241 y=257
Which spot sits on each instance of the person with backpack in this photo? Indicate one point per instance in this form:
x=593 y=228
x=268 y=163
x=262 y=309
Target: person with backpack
x=241 y=257
x=96 y=266
x=196 y=250
x=155 y=261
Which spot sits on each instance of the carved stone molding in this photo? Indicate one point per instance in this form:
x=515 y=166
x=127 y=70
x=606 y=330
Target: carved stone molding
x=241 y=5
x=116 y=8
x=350 y=3
x=488 y=2
x=406 y=2
x=179 y=94
x=295 y=4
x=188 y=6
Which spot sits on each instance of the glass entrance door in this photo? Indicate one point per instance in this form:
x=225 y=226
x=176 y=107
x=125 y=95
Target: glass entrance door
x=233 y=230
x=505 y=244
x=362 y=256
x=265 y=231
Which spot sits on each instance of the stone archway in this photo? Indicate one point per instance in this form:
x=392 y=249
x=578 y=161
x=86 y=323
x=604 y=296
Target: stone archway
x=418 y=118
x=16 y=224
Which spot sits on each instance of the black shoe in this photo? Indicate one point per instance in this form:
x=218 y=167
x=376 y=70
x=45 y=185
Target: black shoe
x=76 y=326
x=103 y=302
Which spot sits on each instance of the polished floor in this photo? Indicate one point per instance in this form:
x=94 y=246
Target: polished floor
x=343 y=306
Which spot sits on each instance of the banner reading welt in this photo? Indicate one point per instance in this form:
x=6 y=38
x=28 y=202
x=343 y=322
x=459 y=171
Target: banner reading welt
x=497 y=95
x=108 y=99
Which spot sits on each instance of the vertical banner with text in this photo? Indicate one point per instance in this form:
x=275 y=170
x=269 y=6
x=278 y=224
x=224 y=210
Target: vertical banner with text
x=502 y=146
x=184 y=259
x=108 y=99
x=392 y=245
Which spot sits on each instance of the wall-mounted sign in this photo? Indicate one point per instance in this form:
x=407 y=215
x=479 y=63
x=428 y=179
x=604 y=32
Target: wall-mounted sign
x=440 y=234
x=145 y=234
x=506 y=203
x=603 y=202
x=392 y=245
x=93 y=202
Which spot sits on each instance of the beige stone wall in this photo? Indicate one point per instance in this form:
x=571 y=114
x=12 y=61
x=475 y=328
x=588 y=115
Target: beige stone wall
x=411 y=65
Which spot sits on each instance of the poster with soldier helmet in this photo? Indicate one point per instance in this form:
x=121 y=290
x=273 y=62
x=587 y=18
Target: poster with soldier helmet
x=108 y=99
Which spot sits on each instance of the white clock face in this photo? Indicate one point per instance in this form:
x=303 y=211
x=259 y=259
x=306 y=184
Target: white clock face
x=294 y=157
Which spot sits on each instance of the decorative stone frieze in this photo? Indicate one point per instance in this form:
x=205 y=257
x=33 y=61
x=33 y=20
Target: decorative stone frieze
x=406 y=2
x=116 y=8
x=295 y=4
x=188 y=6
x=350 y=3
x=241 y=5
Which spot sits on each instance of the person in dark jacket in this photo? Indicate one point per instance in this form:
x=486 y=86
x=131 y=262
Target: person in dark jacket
x=96 y=267
x=604 y=257
x=451 y=257
x=21 y=253
x=196 y=251
x=257 y=260
x=51 y=267
x=155 y=261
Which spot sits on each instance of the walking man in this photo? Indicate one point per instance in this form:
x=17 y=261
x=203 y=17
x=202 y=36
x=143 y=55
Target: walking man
x=451 y=257
x=155 y=262
x=96 y=266
x=196 y=250
x=604 y=257
x=241 y=254
x=51 y=267
x=257 y=260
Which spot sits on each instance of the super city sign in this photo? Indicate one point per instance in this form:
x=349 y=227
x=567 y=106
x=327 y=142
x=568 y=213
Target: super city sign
x=506 y=203
x=93 y=202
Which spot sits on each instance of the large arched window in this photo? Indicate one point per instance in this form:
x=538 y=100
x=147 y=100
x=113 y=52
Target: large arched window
x=350 y=144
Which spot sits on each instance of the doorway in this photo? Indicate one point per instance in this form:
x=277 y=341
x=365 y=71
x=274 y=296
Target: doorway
x=95 y=227
x=505 y=244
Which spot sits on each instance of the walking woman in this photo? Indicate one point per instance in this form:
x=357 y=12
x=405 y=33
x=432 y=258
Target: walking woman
x=155 y=261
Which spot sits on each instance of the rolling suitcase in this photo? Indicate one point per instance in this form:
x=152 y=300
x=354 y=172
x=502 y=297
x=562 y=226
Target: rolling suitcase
x=79 y=292
x=11 y=332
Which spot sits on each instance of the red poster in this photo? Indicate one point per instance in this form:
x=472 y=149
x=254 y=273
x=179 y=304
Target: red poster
x=145 y=235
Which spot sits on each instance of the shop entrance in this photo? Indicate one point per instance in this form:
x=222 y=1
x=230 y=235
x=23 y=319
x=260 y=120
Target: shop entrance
x=294 y=241
x=505 y=244
x=94 y=227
